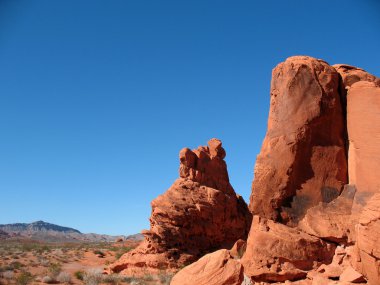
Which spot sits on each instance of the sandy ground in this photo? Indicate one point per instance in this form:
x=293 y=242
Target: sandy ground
x=38 y=260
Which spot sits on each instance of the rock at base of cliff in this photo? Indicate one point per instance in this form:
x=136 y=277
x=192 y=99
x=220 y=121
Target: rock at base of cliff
x=217 y=268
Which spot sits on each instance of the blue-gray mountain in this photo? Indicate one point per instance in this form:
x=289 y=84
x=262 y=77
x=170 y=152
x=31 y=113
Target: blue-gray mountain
x=43 y=231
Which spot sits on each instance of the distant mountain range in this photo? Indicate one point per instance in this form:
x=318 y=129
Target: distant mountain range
x=46 y=232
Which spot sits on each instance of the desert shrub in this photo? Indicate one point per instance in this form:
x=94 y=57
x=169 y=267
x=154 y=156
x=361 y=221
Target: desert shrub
x=47 y=279
x=165 y=278
x=79 y=275
x=113 y=279
x=43 y=261
x=147 y=277
x=99 y=253
x=15 y=265
x=24 y=278
x=54 y=269
x=122 y=251
x=92 y=277
x=64 y=277
x=8 y=275
x=132 y=280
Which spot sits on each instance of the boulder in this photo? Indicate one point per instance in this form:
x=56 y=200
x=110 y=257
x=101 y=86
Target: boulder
x=276 y=252
x=238 y=249
x=303 y=157
x=198 y=214
x=217 y=268
x=351 y=275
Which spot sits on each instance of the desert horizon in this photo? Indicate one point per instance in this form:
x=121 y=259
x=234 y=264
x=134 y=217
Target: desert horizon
x=189 y=142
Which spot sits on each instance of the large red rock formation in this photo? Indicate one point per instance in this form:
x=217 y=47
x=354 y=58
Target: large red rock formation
x=302 y=161
x=276 y=252
x=198 y=214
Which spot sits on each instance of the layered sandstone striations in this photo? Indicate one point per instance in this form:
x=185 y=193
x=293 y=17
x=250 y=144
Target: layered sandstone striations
x=198 y=214
x=303 y=157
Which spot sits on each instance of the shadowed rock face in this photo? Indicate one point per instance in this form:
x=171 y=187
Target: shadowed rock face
x=198 y=214
x=303 y=157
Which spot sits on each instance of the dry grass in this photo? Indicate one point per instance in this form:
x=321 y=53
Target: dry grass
x=34 y=263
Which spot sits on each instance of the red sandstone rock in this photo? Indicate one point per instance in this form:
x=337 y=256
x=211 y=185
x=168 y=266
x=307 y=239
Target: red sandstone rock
x=238 y=249
x=302 y=161
x=363 y=124
x=198 y=214
x=218 y=268
x=351 y=275
x=368 y=241
x=351 y=74
x=276 y=252
x=331 y=221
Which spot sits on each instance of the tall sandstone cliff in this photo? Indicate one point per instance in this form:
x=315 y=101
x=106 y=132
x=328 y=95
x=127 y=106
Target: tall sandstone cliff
x=198 y=214
x=315 y=195
x=303 y=158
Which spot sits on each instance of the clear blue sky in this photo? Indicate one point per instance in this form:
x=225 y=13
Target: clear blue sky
x=98 y=97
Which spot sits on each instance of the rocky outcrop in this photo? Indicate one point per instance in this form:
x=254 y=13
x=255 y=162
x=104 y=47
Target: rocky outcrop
x=323 y=132
x=351 y=74
x=303 y=157
x=315 y=196
x=276 y=252
x=218 y=268
x=198 y=214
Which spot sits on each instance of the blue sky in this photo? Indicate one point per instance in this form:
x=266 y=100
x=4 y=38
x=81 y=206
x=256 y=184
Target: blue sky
x=98 y=97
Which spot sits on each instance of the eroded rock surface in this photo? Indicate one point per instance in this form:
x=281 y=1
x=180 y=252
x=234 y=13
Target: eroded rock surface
x=332 y=221
x=276 y=252
x=198 y=214
x=302 y=160
x=368 y=241
x=351 y=74
x=217 y=268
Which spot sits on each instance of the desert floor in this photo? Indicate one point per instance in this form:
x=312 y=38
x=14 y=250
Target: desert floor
x=28 y=262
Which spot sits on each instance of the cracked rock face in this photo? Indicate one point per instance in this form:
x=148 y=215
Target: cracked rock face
x=302 y=160
x=277 y=253
x=198 y=214
x=368 y=241
x=363 y=117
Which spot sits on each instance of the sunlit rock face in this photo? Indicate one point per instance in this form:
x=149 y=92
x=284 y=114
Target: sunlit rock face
x=303 y=157
x=198 y=214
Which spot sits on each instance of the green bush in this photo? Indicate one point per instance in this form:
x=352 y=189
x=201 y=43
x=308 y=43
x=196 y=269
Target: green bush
x=24 y=278
x=99 y=252
x=79 y=275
